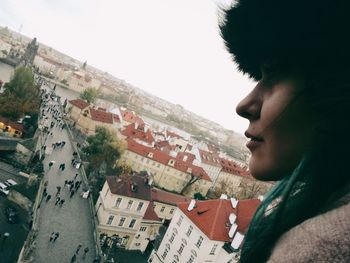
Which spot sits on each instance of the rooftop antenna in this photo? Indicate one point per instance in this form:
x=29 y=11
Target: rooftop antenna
x=191 y=205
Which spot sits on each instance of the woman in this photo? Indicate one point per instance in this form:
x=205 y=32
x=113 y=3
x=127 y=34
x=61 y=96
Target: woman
x=299 y=114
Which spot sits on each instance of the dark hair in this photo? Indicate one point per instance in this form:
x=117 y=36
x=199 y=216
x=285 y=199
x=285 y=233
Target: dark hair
x=308 y=37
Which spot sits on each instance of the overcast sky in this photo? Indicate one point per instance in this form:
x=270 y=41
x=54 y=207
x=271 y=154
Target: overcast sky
x=169 y=48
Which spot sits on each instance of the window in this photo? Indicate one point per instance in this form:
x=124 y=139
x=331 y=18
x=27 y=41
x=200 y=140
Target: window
x=129 y=204
x=143 y=229
x=147 y=161
x=172 y=211
x=121 y=221
x=158 y=165
x=153 y=163
x=171 y=239
x=212 y=252
x=162 y=209
x=118 y=202
x=179 y=220
x=165 y=253
x=110 y=220
x=132 y=223
x=182 y=246
x=199 y=242
x=142 y=159
x=139 y=207
x=189 y=231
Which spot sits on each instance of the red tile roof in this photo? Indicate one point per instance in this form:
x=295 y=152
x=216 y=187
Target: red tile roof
x=131 y=117
x=101 y=116
x=150 y=214
x=234 y=168
x=116 y=118
x=131 y=131
x=185 y=157
x=164 y=158
x=173 y=135
x=122 y=186
x=209 y=158
x=167 y=197
x=212 y=216
x=79 y=103
x=164 y=146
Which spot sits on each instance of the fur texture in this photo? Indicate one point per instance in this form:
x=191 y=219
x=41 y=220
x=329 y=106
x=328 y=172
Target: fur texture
x=294 y=33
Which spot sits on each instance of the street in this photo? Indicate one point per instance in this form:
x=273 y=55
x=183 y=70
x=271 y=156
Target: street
x=73 y=219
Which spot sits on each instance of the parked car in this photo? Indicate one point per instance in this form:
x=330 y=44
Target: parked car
x=3 y=189
x=11 y=214
x=10 y=182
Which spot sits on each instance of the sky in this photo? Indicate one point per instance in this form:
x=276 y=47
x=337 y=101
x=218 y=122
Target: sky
x=169 y=48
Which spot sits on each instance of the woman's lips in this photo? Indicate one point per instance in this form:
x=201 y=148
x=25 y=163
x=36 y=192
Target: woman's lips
x=254 y=143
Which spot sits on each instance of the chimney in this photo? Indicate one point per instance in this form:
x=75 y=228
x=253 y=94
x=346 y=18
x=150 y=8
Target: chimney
x=191 y=205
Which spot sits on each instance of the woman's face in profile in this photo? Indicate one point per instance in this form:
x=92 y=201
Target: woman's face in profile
x=279 y=126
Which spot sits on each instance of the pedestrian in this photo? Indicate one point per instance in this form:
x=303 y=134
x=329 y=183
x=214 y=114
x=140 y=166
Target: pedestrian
x=65 y=182
x=86 y=250
x=63 y=167
x=73 y=258
x=57 y=200
x=45 y=191
x=48 y=197
x=61 y=202
x=57 y=234
x=78 y=248
x=51 y=163
x=72 y=193
x=75 y=177
x=46 y=183
x=58 y=190
x=52 y=236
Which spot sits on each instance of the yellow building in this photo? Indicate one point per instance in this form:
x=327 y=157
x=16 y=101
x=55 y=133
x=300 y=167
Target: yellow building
x=10 y=128
x=86 y=118
x=168 y=172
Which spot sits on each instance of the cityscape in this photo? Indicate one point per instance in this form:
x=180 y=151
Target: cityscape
x=95 y=169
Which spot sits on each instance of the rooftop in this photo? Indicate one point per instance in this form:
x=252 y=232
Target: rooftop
x=134 y=186
x=212 y=216
x=167 y=197
x=101 y=116
x=81 y=104
x=164 y=158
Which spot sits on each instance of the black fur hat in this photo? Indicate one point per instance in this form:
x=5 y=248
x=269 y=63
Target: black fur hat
x=307 y=34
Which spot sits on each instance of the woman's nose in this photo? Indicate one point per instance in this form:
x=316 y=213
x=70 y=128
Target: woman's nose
x=249 y=107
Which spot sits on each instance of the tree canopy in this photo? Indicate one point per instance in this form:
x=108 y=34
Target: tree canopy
x=104 y=148
x=21 y=95
x=89 y=94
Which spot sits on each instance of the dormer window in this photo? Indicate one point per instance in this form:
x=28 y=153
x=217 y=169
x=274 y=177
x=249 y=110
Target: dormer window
x=150 y=155
x=171 y=162
x=189 y=170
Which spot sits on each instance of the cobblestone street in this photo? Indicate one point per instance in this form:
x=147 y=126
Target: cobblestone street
x=73 y=219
